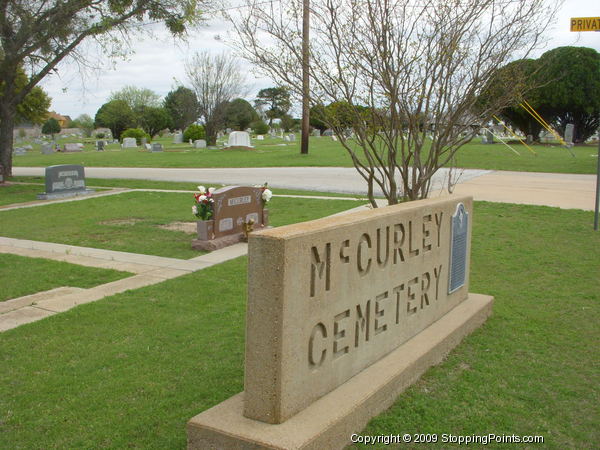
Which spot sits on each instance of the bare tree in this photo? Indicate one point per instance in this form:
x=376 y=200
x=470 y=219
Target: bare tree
x=408 y=73
x=216 y=79
x=36 y=35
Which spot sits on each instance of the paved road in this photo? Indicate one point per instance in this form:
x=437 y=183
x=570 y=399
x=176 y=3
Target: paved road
x=550 y=189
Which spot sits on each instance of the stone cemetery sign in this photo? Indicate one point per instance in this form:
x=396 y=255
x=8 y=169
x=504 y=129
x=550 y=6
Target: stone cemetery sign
x=65 y=180
x=343 y=314
x=233 y=207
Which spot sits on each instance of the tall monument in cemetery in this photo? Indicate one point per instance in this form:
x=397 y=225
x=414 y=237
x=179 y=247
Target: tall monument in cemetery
x=343 y=314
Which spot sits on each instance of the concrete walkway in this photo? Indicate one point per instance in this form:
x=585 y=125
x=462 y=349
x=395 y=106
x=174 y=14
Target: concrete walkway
x=148 y=270
x=549 y=189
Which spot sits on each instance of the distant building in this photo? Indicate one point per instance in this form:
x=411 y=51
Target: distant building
x=63 y=121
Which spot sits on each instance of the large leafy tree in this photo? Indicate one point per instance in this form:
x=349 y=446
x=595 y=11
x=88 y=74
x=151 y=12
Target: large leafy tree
x=138 y=99
x=239 y=114
x=115 y=115
x=275 y=101
x=51 y=127
x=153 y=119
x=182 y=105
x=39 y=34
x=572 y=90
x=563 y=86
x=34 y=106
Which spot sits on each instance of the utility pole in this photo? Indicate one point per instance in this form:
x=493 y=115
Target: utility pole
x=305 y=78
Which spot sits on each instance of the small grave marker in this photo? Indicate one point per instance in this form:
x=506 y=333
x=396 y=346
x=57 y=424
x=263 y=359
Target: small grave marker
x=129 y=142
x=68 y=148
x=200 y=143
x=157 y=147
x=47 y=149
x=66 y=180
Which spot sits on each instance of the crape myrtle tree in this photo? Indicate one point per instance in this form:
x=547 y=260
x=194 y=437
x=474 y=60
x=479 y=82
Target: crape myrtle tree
x=215 y=79
x=37 y=35
x=410 y=71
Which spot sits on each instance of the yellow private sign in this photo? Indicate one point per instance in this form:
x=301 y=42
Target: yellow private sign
x=585 y=24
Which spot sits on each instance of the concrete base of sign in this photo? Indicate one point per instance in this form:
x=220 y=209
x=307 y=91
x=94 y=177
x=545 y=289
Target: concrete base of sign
x=330 y=421
x=56 y=195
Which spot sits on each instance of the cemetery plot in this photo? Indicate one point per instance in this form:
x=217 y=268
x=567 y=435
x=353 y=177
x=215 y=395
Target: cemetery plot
x=21 y=276
x=87 y=223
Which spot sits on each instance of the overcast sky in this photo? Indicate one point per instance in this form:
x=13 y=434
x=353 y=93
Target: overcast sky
x=158 y=65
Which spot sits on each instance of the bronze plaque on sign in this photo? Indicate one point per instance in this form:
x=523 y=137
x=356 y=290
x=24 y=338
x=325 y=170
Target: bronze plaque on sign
x=234 y=206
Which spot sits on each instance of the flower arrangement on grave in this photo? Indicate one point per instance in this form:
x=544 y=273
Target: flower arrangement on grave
x=203 y=206
x=266 y=193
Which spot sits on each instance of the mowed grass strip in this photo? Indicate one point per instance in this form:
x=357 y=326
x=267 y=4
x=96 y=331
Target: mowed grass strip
x=131 y=222
x=132 y=369
x=323 y=152
x=174 y=185
x=19 y=193
x=20 y=275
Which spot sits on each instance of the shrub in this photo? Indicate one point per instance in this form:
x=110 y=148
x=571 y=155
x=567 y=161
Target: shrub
x=194 y=132
x=136 y=133
x=100 y=135
x=259 y=127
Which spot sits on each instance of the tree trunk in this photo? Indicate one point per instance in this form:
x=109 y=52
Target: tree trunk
x=7 y=125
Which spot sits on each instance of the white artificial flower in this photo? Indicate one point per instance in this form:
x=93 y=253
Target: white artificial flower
x=266 y=195
x=202 y=189
x=194 y=210
x=202 y=198
x=211 y=190
x=212 y=200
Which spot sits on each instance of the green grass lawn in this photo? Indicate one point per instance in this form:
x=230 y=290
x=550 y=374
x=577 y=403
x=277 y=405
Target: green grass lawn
x=19 y=193
x=20 y=275
x=130 y=222
x=323 y=152
x=130 y=370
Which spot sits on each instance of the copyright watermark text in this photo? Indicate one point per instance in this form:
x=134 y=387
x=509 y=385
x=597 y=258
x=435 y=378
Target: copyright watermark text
x=445 y=438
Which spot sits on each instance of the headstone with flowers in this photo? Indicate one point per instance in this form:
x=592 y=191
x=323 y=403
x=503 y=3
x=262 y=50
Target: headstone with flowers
x=227 y=215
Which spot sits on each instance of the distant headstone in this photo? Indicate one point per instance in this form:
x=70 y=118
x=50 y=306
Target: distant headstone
x=144 y=141
x=569 y=130
x=316 y=132
x=286 y=138
x=328 y=132
x=129 y=142
x=47 y=149
x=100 y=145
x=239 y=139
x=334 y=138
x=71 y=148
x=260 y=137
x=28 y=147
x=489 y=137
x=157 y=147
x=147 y=146
x=67 y=180
x=19 y=151
x=219 y=135
x=200 y=143
x=178 y=138
x=228 y=130
x=292 y=137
